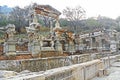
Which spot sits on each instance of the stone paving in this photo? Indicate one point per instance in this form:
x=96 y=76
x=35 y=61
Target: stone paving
x=114 y=73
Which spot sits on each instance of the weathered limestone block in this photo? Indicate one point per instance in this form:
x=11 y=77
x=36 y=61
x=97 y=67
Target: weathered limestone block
x=25 y=72
x=5 y=74
x=36 y=78
x=86 y=58
x=106 y=72
x=98 y=56
x=59 y=47
x=10 y=49
x=93 y=56
x=8 y=65
x=27 y=76
x=78 y=73
x=75 y=61
x=47 y=48
x=118 y=57
x=103 y=72
x=10 y=54
x=101 y=65
x=58 y=74
x=35 y=49
x=81 y=59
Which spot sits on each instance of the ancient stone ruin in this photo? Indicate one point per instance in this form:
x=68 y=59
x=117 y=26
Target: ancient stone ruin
x=59 y=43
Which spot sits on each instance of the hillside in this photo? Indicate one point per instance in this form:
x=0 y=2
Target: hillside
x=5 y=9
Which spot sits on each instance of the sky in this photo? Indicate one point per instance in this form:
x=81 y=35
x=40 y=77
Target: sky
x=93 y=8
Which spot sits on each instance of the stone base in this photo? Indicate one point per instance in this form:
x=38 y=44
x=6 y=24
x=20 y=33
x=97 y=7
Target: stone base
x=47 y=49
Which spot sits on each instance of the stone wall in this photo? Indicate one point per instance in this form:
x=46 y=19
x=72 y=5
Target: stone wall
x=42 y=64
x=73 y=72
x=83 y=71
x=107 y=61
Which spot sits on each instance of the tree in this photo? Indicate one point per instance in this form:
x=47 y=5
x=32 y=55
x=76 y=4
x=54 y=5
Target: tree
x=118 y=23
x=92 y=24
x=106 y=22
x=3 y=20
x=118 y=20
x=19 y=17
x=63 y=22
x=74 y=15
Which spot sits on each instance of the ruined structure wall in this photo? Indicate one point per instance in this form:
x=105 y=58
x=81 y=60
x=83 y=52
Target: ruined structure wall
x=76 y=72
x=43 y=64
x=83 y=71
